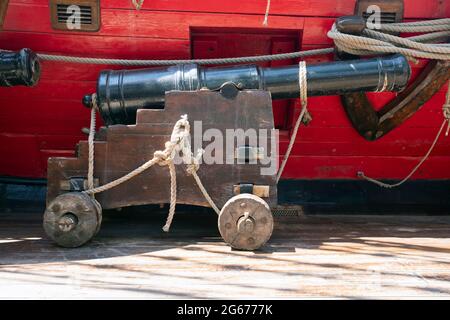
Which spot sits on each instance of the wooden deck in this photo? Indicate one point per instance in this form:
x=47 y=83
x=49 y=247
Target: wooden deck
x=308 y=257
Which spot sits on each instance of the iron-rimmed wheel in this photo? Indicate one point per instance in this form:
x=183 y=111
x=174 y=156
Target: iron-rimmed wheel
x=72 y=219
x=246 y=222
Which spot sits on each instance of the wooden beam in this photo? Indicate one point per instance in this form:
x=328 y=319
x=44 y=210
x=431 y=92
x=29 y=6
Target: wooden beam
x=3 y=7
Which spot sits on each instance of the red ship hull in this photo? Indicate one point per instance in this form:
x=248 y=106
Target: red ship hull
x=46 y=120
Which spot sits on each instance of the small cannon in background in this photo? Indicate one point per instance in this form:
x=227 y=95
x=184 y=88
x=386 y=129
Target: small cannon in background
x=19 y=68
x=140 y=108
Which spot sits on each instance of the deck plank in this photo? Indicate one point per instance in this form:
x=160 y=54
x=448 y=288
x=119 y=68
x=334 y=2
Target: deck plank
x=308 y=257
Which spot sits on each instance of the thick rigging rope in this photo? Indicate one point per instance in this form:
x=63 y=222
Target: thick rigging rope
x=379 y=42
x=127 y=62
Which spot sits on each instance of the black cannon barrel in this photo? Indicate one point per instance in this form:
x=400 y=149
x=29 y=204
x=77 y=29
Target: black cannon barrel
x=19 y=68
x=121 y=93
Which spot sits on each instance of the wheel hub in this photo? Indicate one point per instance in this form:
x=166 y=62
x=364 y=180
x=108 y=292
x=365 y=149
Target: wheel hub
x=246 y=222
x=72 y=219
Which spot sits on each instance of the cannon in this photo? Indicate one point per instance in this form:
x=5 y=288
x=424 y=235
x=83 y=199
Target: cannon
x=121 y=93
x=20 y=68
x=140 y=108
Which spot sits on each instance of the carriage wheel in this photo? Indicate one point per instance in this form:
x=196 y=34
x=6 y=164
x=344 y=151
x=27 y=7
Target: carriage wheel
x=72 y=219
x=246 y=222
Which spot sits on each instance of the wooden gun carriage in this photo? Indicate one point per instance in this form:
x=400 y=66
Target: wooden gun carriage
x=141 y=108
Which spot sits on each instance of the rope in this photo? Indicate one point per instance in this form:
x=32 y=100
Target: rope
x=204 y=192
x=379 y=42
x=179 y=142
x=91 y=137
x=125 y=62
x=446 y=112
x=138 y=4
x=303 y=85
x=173 y=195
x=266 y=15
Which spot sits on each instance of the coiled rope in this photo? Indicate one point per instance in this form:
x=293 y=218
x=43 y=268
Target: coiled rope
x=179 y=142
x=380 y=42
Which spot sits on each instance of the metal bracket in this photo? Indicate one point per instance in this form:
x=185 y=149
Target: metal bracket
x=76 y=184
x=257 y=190
x=248 y=154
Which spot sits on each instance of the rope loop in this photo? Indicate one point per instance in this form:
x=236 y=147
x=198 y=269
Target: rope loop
x=303 y=88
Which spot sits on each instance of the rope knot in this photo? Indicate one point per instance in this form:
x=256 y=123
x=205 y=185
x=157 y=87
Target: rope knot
x=193 y=167
x=163 y=157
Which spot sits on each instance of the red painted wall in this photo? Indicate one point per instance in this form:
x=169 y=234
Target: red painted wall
x=44 y=121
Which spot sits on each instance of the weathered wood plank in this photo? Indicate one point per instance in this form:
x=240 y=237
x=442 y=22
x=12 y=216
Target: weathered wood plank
x=316 y=256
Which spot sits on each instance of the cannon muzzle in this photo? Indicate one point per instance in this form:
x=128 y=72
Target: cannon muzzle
x=121 y=93
x=19 y=68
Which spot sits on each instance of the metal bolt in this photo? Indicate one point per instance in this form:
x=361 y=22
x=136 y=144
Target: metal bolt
x=67 y=222
x=368 y=134
x=246 y=224
x=379 y=134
